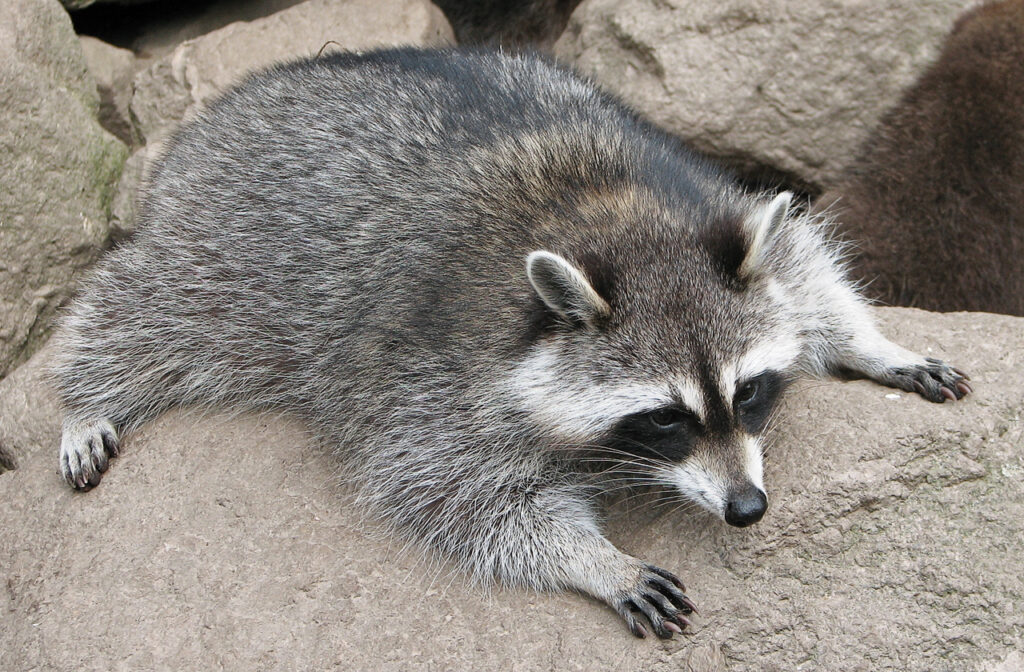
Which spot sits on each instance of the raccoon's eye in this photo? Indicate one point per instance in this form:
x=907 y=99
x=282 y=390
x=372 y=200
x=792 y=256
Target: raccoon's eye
x=756 y=398
x=668 y=418
x=747 y=392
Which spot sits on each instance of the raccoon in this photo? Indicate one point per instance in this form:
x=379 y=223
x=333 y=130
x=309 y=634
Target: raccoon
x=472 y=274
x=939 y=185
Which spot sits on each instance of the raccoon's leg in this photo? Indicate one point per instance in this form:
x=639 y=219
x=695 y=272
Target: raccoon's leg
x=655 y=593
x=838 y=332
x=888 y=364
x=108 y=394
x=102 y=395
x=553 y=542
x=85 y=451
x=850 y=345
x=117 y=367
x=112 y=379
x=546 y=537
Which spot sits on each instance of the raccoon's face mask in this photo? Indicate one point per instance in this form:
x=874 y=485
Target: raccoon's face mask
x=710 y=451
x=693 y=422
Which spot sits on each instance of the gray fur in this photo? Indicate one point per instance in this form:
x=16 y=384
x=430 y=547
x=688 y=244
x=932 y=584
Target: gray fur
x=346 y=239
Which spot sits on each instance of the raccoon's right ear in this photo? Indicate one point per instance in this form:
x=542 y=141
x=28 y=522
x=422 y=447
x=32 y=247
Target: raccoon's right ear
x=564 y=289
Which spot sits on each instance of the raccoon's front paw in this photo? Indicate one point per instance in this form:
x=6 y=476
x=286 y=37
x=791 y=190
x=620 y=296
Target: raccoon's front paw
x=659 y=596
x=85 y=452
x=935 y=381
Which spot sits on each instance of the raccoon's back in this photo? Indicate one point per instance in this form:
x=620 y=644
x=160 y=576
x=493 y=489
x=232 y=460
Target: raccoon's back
x=343 y=144
x=379 y=207
x=331 y=210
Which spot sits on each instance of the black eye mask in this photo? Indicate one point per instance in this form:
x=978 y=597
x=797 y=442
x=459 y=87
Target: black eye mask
x=665 y=433
x=755 y=400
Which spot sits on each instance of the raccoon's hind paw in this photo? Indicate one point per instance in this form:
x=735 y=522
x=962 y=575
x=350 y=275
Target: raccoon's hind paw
x=659 y=596
x=85 y=452
x=935 y=381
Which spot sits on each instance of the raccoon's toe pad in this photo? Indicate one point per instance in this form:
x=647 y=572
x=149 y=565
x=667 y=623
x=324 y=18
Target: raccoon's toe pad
x=657 y=595
x=935 y=381
x=85 y=452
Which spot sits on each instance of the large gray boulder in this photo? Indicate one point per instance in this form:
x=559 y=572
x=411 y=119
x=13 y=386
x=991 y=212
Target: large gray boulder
x=58 y=169
x=113 y=69
x=158 y=34
x=894 y=541
x=793 y=86
x=197 y=70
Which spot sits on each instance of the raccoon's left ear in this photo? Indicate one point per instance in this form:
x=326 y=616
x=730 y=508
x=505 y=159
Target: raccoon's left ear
x=564 y=289
x=760 y=230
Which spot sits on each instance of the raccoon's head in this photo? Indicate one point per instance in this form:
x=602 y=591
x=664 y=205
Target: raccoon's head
x=668 y=351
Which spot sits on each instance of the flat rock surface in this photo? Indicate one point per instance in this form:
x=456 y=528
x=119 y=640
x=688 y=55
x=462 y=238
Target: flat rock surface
x=894 y=541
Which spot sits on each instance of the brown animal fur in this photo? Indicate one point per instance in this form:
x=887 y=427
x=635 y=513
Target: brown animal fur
x=936 y=198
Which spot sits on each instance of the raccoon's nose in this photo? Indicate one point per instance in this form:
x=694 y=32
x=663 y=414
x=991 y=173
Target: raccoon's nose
x=745 y=507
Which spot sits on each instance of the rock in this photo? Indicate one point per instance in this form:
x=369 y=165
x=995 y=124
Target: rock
x=113 y=69
x=122 y=210
x=791 y=86
x=58 y=169
x=892 y=542
x=29 y=411
x=198 y=69
x=1012 y=663
x=154 y=30
x=82 y=4
x=159 y=37
x=512 y=25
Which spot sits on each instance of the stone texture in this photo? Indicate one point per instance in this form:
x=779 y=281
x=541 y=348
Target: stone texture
x=123 y=208
x=198 y=69
x=893 y=542
x=112 y=69
x=29 y=412
x=160 y=35
x=58 y=168
x=792 y=86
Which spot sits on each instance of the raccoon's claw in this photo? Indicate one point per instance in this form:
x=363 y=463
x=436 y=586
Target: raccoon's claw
x=935 y=381
x=85 y=452
x=659 y=596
